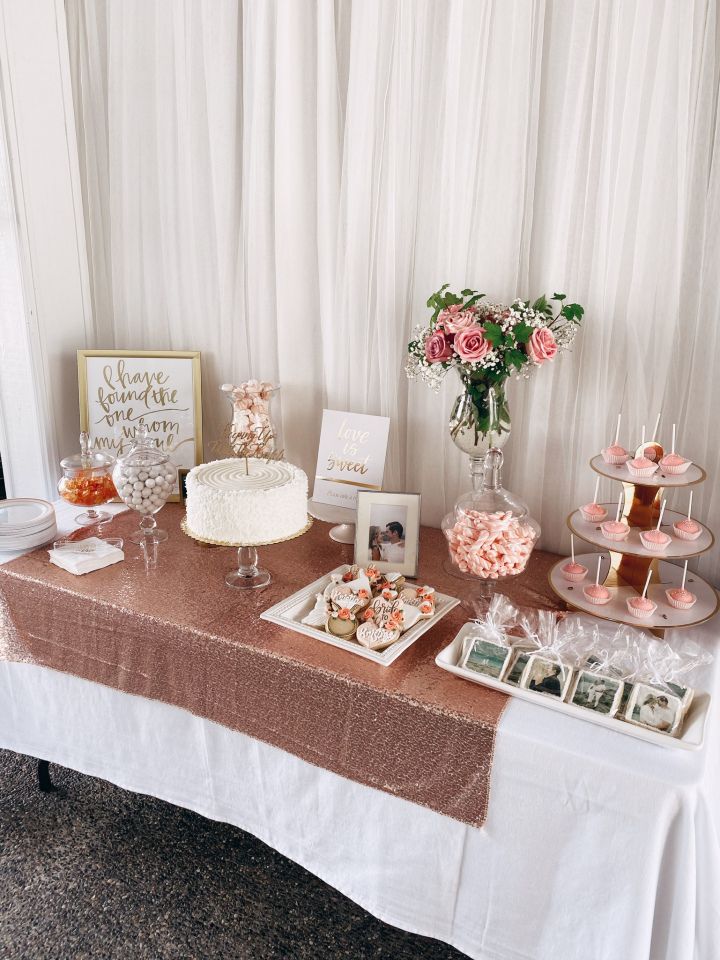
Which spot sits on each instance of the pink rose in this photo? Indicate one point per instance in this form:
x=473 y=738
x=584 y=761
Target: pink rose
x=454 y=319
x=471 y=344
x=541 y=346
x=437 y=348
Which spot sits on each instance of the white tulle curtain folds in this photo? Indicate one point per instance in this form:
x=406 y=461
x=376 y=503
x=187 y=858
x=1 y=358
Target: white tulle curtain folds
x=281 y=184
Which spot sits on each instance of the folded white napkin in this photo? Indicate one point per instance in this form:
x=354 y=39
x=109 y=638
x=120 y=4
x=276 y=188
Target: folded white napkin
x=84 y=556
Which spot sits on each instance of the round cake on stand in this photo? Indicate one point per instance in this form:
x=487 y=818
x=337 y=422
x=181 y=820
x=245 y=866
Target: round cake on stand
x=626 y=563
x=246 y=503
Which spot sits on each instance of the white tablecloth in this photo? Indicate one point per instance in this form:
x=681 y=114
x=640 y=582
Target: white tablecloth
x=596 y=846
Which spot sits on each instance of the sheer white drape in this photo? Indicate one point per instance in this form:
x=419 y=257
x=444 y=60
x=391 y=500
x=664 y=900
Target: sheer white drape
x=281 y=184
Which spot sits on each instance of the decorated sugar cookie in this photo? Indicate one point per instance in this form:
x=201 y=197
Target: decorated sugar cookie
x=342 y=625
x=376 y=638
x=319 y=613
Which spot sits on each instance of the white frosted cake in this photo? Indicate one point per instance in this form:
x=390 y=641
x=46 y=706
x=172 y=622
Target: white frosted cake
x=231 y=505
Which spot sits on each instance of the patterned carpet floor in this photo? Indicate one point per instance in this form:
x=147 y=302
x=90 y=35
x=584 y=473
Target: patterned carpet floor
x=100 y=873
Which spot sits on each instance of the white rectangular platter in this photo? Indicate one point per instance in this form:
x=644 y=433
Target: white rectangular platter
x=289 y=613
x=693 y=729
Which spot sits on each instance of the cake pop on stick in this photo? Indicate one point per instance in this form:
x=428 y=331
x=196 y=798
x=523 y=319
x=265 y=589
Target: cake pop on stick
x=656 y=427
x=616 y=529
x=641 y=466
x=672 y=463
x=656 y=539
x=575 y=572
x=642 y=607
x=597 y=593
x=679 y=597
x=593 y=512
x=651 y=452
x=687 y=529
x=615 y=454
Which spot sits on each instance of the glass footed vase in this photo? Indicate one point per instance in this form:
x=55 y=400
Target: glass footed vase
x=489 y=531
x=480 y=418
x=145 y=479
x=87 y=482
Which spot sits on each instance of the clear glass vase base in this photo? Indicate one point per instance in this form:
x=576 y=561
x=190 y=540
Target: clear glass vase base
x=159 y=536
x=87 y=519
x=248 y=581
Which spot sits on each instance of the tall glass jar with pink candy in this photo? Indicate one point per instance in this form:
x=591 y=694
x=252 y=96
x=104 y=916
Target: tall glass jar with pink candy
x=489 y=531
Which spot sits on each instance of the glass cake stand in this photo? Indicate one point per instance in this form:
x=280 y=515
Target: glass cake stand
x=248 y=575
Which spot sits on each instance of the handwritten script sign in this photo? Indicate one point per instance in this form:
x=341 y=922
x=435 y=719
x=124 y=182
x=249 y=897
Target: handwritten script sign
x=351 y=456
x=118 y=391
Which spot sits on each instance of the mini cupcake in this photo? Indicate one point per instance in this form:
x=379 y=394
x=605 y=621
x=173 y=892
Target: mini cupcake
x=655 y=540
x=575 y=572
x=615 y=529
x=680 y=598
x=593 y=513
x=687 y=529
x=615 y=454
x=673 y=463
x=641 y=607
x=641 y=467
x=598 y=594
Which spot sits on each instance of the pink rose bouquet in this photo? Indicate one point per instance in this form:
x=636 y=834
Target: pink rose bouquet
x=487 y=343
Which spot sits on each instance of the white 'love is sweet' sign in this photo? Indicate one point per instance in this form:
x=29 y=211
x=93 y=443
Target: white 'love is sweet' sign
x=351 y=456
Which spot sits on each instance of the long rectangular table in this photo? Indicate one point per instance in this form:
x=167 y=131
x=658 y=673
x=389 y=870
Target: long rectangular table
x=595 y=845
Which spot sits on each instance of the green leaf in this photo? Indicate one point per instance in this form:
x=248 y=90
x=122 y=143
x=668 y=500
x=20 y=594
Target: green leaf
x=541 y=305
x=523 y=332
x=493 y=333
x=467 y=292
x=558 y=296
x=472 y=300
x=515 y=357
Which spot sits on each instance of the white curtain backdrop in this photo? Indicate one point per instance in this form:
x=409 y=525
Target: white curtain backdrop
x=282 y=183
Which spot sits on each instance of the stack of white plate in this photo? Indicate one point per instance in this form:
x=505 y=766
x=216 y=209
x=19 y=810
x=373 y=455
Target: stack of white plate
x=26 y=523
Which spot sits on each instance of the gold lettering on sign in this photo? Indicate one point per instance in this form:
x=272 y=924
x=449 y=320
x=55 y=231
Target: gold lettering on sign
x=347 y=460
x=124 y=398
x=255 y=443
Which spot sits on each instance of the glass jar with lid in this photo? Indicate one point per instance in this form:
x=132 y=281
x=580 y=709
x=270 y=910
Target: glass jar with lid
x=145 y=478
x=87 y=482
x=490 y=532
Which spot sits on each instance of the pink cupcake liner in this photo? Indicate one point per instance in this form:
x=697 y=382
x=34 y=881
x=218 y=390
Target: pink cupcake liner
x=598 y=601
x=684 y=535
x=574 y=577
x=616 y=536
x=593 y=518
x=613 y=459
x=643 y=472
x=641 y=614
x=681 y=468
x=679 y=604
x=653 y=545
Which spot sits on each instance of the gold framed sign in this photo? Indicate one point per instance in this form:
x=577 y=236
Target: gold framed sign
x=120 y=388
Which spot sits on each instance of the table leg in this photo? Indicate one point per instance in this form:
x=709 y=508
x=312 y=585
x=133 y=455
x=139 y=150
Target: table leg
x=44 y=782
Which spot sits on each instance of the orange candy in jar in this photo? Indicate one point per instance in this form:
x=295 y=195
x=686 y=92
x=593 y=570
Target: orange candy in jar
x=87 y=489
x=87 y=482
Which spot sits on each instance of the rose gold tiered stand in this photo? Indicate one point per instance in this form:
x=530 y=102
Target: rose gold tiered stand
x=625 y=564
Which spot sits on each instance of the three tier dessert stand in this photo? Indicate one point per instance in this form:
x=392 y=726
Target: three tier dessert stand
x=625 y=564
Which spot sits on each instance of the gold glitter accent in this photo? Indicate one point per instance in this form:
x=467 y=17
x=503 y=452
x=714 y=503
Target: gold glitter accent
x=258 y=543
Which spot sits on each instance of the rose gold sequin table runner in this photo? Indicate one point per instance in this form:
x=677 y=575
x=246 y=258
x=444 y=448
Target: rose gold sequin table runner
x=179 y=635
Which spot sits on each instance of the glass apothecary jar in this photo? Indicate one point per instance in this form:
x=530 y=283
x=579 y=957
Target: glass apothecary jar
x=87 y=482
x=145 y=479
x=489 y=531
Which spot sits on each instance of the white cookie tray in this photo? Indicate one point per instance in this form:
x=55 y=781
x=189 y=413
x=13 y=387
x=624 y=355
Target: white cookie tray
x=693 y=728
x=289 y=613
